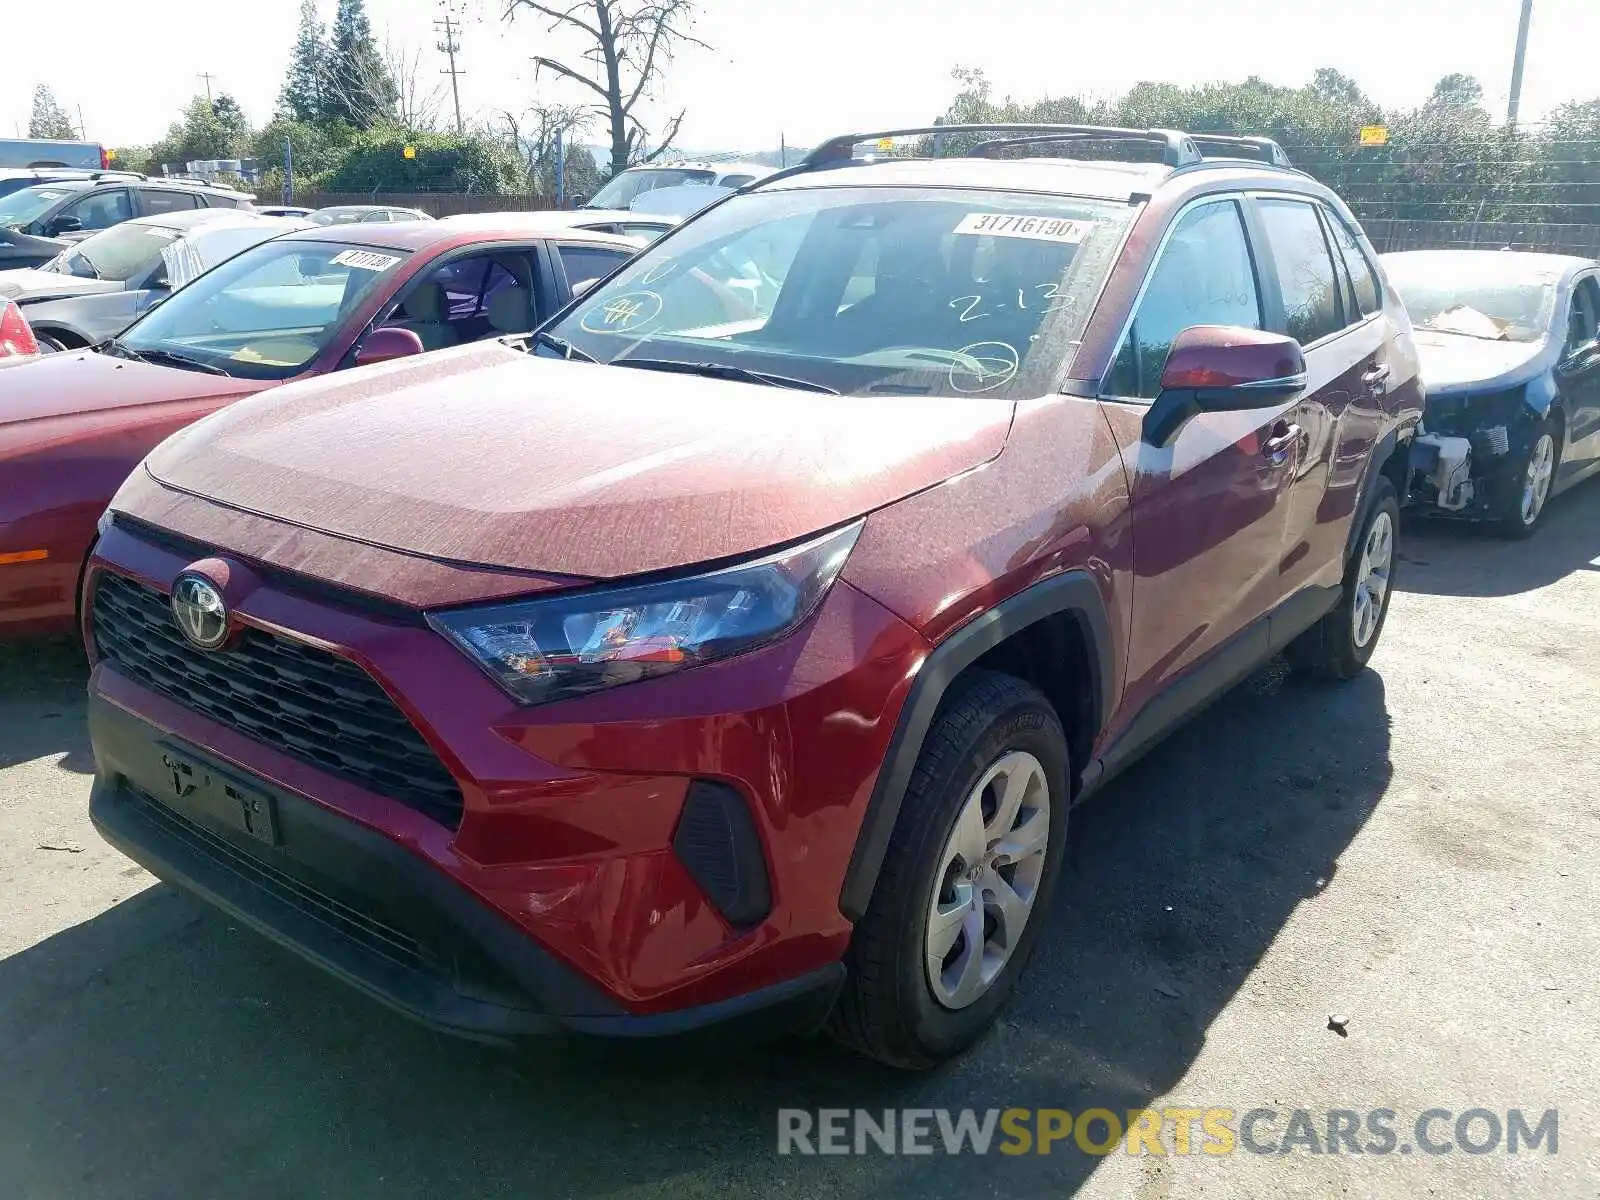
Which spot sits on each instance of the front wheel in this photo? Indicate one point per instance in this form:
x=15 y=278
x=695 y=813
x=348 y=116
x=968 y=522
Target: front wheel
x=1339 y=645
x=966 y=879
x=1527 y=485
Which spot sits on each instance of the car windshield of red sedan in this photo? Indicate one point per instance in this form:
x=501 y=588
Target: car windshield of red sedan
x=266 y=313
x=860 y=290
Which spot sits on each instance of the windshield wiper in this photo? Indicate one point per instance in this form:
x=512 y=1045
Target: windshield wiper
x=176 y=360
x=725 y=371
x=118 y=349
x=562 y=347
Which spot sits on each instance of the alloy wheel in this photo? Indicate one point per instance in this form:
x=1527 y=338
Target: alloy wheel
x=988 y=879
x=1536 y=482
x=1372 y=578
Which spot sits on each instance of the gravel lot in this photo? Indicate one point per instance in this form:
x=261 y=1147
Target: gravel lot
x=1413 y=850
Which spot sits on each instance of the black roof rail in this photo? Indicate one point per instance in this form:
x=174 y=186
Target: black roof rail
x=1262 y=148
x=1177 y=148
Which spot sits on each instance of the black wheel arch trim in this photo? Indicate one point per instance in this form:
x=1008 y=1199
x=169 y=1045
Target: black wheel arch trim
x=1073 y=592
x=1376 y=462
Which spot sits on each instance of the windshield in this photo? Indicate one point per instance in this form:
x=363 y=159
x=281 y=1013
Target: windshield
x=21 y=207
x=620 y=192
x=1493 y=299
x=121 y=253
x=268 y=312
x=863 y=290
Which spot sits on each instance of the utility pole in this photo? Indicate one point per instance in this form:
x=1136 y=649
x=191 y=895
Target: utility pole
x=450 y=46
x=1516 y=66
x=83 y=133
x=208 y=77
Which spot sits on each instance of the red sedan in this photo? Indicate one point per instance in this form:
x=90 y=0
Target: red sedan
x=72 y=426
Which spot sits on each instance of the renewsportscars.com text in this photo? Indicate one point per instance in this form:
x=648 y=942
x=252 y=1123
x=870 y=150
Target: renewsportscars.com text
x=1170 y=1130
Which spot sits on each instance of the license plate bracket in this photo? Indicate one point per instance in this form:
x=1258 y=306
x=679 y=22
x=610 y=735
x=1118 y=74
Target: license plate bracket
x=200 y=786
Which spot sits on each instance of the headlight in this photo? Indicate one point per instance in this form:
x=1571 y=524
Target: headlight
x=567 y=645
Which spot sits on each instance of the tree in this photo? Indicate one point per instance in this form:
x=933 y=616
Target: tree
x=357 y=87
x=200 y=134
x=234 y=127
x=1456 y=91
x=534 y=135
x=301 y=98
x=416 y=105
x=629 y=44
x=49 y=119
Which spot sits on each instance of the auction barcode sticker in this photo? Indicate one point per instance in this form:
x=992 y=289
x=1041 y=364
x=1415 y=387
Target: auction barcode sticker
x=364 y=260
x=1039 y=229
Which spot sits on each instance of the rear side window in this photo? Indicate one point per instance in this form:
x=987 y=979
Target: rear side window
x=584 y=263
x=165 y=202
x=1205 y=276
x=1305 y=272
x=1362 y=277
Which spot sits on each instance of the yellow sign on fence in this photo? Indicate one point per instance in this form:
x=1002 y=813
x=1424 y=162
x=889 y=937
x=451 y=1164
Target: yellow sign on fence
x=1374 y=135
x=409 y=152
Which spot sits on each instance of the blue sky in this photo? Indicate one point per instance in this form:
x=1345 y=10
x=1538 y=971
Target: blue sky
x=806 y=68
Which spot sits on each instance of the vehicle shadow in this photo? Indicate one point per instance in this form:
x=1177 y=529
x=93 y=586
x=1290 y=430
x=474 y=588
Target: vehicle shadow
x=156 y=1050
x=42 y=694
x=1445 y=558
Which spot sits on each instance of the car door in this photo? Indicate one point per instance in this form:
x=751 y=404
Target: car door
x=1577 y=375
x=1207 y=512
x=1337 y=419
x=96 y=210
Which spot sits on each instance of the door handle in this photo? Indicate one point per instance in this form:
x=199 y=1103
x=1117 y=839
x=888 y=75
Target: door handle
x=1280 y=441
x=1375 y=379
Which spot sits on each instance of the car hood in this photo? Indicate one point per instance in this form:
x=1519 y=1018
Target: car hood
x=81 y=381
x=29 y=285
x=487 y=456
x=1454 y=363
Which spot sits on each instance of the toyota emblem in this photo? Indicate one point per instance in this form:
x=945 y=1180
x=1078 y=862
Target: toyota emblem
x=199 y=610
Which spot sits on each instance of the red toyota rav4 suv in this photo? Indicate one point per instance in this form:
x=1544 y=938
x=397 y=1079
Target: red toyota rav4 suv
x=737 y=647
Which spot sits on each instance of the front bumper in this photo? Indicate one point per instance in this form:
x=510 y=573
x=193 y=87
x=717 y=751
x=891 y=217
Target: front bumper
x=362 y=908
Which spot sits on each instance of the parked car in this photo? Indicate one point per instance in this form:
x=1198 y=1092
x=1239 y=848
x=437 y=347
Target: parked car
x=37 y=222
x=624 y=188
x=92 y=290
x=618 y=221
x=1510 y=346
x=736 y=656
x=284 y=210
x=17 y=179
x=53 y=152
x=347 y=214
x=16 y=335
x=73 y=425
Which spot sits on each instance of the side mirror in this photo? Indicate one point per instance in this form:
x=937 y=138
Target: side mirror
x=382 y=345
x=1223 y=368
x=63 y=224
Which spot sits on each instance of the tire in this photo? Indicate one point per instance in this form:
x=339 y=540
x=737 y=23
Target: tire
x=54 y=343
x=888 y=1009
x=1522 y=500
x=1335 y=648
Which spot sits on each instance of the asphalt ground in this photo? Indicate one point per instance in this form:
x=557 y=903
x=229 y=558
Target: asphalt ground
x=1413 y=852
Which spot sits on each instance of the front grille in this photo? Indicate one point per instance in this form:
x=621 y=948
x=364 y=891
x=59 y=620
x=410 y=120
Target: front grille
x=376 y=936
x=315 y=706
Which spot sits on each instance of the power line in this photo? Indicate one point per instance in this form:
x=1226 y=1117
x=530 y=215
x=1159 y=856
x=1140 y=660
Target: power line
x=450 y=46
